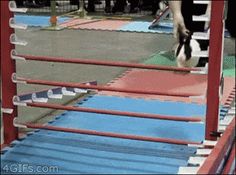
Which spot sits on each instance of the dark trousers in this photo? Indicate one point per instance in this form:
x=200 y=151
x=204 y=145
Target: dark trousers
x=108 y=3
x=231 y=18
x=189 y=9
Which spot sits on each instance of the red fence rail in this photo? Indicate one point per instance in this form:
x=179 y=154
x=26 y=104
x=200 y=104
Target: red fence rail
x=112 y=112
x=106 y=63
x=104 y=88
x=110 y=134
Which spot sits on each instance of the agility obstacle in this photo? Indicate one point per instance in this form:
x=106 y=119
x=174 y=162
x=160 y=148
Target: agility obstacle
x=106 y=134
x=98 y=87
x=103 y=63
x=9 y=81
x=119 y=113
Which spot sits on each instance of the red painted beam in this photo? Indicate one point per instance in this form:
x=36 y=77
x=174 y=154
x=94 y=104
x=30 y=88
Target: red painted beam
x=106 y=63
x=109 y=134
x=230 y=164
x=7 y=69
x=104 y=88
x=215 y=69
x=218 y=154
x=111 y=112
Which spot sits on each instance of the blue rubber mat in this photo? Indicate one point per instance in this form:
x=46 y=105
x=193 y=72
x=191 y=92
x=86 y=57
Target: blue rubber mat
x=37 y=21
x=139 y=26
x=163 y=27
x=75 y=153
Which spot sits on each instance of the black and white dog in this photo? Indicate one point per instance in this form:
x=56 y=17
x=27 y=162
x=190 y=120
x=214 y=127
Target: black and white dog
x=184 y=50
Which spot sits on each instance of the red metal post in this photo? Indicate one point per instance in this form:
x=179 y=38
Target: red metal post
x=7 y=68
x=215 y=69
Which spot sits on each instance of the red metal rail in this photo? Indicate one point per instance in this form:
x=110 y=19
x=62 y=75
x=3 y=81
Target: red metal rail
x=106 y=63
x=218 y=154
x=215 y=67
x=230 y=164
x=7 y=68
x=109 y=134
x=104 y=88
x=111 y=112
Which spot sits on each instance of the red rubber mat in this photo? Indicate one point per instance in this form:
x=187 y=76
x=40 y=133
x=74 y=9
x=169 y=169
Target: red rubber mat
x=103 y=25
x=124 y=25
x=164 y=81
x=76 y=22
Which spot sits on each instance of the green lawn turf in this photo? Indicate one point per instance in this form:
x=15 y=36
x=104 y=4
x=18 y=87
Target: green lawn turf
x=168 y=59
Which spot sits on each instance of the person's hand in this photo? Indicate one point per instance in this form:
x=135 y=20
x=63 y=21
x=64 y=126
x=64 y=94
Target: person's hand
x=179 y=25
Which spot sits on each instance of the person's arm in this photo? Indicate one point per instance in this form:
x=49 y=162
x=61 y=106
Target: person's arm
x=178 y=20
x=175 y=6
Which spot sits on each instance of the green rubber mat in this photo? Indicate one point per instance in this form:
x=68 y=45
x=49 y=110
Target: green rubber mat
x=229 y=66
x=162 y=58
x=168 y=59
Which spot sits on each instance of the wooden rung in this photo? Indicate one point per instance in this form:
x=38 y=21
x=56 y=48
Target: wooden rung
x=201 y=54
x=201 y=18
x=231 y=112
x=222 y=128
x=227 y=120
x=201 y=2
x=201 y=35
x=203 y=151
x=209 y=143
x=188 y=170
x=196 y=160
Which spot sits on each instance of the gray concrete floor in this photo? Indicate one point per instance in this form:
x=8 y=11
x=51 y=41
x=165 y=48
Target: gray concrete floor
x=101 y=45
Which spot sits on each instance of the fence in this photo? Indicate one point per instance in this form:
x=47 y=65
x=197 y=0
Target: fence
x=42 y=7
